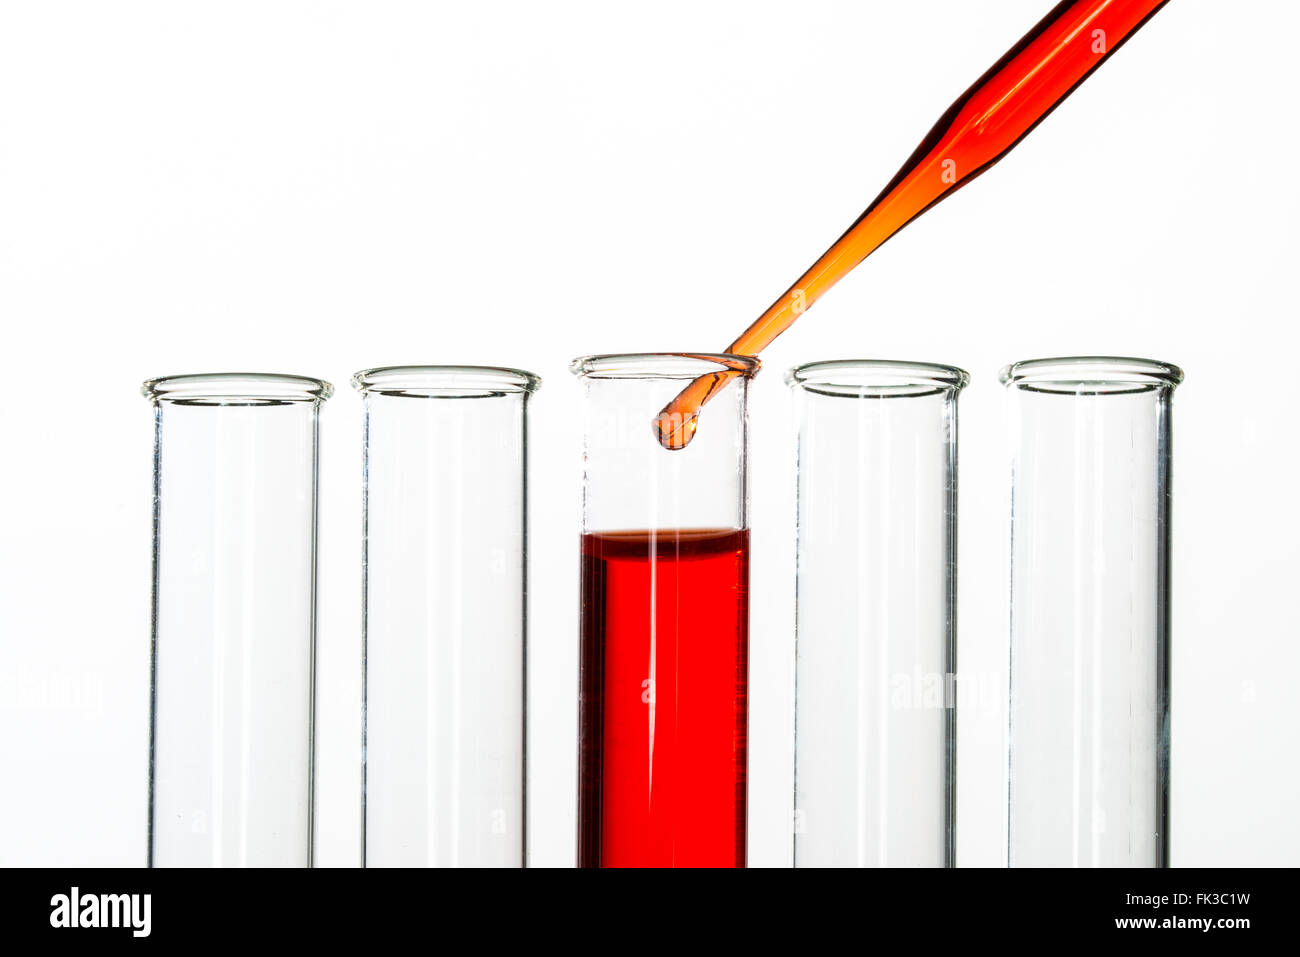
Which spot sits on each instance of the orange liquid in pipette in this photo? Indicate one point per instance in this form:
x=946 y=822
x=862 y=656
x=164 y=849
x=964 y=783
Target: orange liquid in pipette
x=978 y=130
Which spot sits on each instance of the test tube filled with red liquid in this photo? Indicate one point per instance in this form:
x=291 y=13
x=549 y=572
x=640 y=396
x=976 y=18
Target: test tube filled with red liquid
x=663 y=713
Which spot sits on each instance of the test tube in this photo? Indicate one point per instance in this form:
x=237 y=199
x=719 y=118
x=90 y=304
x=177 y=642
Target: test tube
x=1089 y=705
x=445 y=619
x=875 y=715
x=234 y=619
x=663 y=722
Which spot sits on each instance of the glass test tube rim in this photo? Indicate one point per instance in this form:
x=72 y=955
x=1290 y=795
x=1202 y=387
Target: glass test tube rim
x=663 y=365
x=876 y=378
x=1091 y=375
x=236 y=388
x=445 y=381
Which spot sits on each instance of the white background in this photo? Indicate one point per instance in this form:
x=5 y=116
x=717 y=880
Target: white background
x=320 y=187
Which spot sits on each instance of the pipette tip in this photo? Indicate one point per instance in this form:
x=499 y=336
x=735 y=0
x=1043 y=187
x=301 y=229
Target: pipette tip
x=674 y=430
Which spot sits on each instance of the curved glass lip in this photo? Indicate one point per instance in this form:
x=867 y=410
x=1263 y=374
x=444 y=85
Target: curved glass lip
x=1091 y=375
x=236 y=388
x=877 y=378
x=663 y=365
x=445 y=381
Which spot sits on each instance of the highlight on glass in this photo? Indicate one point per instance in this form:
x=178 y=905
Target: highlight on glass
x=1090 y=630
x=665 y=618
x=875 y=715
x=234 y=616
x=445 y=619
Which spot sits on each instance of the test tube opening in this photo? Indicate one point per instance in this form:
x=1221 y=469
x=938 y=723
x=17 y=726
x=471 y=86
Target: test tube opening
x=445 y=381
x=663 y=365
x=876 y=378
x=1091 y=375
x=236 y=389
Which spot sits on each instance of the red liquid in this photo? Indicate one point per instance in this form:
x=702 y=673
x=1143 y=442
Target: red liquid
x=664 y=699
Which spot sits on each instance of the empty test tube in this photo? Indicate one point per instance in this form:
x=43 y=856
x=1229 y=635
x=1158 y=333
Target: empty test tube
x=875 y=620
x=234 y=604
x=1089 y=706
x=445 y=621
